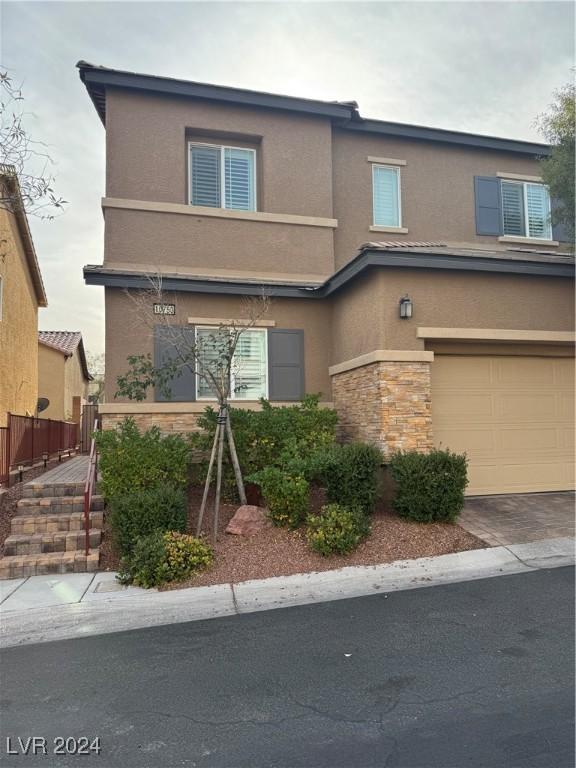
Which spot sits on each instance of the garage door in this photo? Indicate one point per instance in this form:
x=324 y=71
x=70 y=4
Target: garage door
x=514 y=417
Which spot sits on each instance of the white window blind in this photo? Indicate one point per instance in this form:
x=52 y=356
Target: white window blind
x=222 y=177
x=513 y=209
x=526 y=210
x=249 y=369
x=250 y=366
x=386 y=196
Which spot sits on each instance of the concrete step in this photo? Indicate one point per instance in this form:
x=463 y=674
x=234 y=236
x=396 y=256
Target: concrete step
x=53 y=505
x=35 y=490
x=74 y=521
x=20 y=566
x=58 y=541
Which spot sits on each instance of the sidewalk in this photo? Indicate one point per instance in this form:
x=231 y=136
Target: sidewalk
x=45 y=608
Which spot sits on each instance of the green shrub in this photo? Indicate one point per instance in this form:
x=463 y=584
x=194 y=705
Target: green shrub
x=160 y=558
x=143 y=511
x=350 y=475
x=337 y=530
x=287 y=496
x=429 y=486
x=271 y=437
x=131 y=460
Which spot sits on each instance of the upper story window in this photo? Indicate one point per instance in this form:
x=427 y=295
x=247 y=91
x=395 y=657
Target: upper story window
x=222 y=177
x=526 y=210
x=386 y=196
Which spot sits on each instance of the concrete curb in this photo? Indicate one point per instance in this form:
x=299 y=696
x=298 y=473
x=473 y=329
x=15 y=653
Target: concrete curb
x=119 y=611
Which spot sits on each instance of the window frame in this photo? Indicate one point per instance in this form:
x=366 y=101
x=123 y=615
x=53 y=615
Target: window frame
x=233 y=397
x=524 y=185
x=397 y=170
x=222 y=148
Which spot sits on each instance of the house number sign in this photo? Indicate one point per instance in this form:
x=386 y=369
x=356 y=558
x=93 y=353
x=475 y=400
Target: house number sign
x=164 y=309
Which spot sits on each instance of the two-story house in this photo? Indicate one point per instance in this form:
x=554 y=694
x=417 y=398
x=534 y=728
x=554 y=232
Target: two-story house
x=416 y=279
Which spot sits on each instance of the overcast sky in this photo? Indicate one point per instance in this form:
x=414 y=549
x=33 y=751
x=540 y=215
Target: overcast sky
x=485 y=67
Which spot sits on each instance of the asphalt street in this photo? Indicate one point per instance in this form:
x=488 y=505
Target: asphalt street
x=477 y=674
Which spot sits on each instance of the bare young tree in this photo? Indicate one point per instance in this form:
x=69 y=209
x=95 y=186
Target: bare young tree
x=24 y=157
x=210 y=357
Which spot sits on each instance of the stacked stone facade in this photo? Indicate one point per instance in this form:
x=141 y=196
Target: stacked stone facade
x=168 y=423
x=387 y=404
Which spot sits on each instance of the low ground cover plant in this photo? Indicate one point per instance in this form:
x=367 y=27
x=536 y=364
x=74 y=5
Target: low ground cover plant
x=163 y=557
x=130 y=460
x=337 y=529
x=144 y=511
x=429 y=486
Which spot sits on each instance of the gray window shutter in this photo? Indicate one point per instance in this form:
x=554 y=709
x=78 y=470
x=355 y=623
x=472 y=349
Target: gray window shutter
x=559 y=231
x=488 y=205
x=285 y=364
x=183 y=388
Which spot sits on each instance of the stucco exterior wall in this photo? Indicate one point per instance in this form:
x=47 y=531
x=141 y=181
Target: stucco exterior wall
x=51 y=381
x=75 y=385
x=365 y=316
x=127 y=333
x=437 y=189
x=18 y=326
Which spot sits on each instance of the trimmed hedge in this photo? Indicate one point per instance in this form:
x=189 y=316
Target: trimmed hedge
x=145 y=511
x=429 y=486
x=287 y=496
x=350 y=475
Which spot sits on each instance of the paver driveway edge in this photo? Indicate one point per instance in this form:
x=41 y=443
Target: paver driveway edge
x=119 y=612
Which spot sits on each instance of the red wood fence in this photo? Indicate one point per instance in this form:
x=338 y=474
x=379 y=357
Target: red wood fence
x=28 y=439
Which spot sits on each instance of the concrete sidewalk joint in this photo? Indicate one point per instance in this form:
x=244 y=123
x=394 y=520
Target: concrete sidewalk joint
x=35 y=612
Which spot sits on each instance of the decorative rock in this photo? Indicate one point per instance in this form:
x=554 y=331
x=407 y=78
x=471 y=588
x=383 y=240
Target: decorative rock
x=248 y=520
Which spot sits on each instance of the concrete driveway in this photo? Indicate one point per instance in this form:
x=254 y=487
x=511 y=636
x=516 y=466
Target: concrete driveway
x=519 y=518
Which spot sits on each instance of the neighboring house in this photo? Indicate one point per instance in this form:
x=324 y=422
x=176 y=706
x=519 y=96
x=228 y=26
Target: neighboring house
x=21 y=293
x=63 y=376
x=417 y=281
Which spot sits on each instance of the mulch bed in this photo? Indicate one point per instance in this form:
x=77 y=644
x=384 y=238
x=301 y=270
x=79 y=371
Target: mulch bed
x=280 y=552
x=9 y=500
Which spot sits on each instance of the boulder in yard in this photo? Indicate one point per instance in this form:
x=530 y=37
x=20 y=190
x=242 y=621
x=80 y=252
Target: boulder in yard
x=248 y=520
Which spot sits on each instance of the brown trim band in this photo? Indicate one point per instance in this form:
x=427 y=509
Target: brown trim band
x=497 y=334
x=382 y=356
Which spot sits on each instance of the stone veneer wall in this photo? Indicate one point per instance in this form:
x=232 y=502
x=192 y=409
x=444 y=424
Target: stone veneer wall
x=385 y=403
x=169 y=423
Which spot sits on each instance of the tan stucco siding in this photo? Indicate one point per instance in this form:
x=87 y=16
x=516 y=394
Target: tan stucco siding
x=75 y=385
x=51 y=365
x=437 y=189
x=146 y=149
x=18 y=326
x=366 y=317
x=158 y=239
x=127 y=334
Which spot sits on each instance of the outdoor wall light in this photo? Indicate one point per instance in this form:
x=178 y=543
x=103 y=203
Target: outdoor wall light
x=405 y=308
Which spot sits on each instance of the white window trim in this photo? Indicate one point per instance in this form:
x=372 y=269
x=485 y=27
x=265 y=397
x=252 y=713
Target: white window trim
x=233 y=397
x=396 y=169
x=527 y=236
x=222 y=147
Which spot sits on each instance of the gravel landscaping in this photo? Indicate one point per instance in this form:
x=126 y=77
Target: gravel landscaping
x=280 y=552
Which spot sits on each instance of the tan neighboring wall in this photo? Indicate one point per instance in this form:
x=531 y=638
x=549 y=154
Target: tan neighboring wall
x=437 y=189
x=18 y=325
x=126 y=334
x=61 y=379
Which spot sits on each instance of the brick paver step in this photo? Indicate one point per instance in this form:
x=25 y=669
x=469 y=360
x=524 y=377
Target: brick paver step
x=56 y=505
x=41 y=490
x=20 y=566
x=57 y=541
x=51 y=523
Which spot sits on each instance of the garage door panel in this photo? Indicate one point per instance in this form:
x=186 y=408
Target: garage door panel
x=513 y=417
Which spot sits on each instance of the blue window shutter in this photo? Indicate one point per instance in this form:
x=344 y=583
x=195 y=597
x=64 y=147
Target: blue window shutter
x=488 y=205
x=285 y=364
x=183 y=387
x=559 y=231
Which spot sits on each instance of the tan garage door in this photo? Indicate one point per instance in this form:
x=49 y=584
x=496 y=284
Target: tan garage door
x=514 y=417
